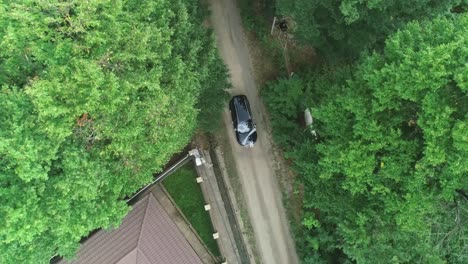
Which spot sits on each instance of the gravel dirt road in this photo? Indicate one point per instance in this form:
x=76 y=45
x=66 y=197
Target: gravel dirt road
x=255 y=166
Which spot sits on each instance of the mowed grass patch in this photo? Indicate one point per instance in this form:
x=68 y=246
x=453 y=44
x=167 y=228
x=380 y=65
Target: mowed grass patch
x=184 y=189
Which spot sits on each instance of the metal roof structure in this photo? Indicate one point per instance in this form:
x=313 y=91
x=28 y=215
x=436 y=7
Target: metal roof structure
x=154 y=232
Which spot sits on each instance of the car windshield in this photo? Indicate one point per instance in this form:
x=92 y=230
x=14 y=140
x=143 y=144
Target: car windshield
x=244 y=127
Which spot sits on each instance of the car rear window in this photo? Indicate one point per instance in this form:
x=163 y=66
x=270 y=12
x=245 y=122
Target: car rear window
x=244 y=127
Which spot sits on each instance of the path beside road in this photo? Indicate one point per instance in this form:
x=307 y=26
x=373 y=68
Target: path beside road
x=218 y=212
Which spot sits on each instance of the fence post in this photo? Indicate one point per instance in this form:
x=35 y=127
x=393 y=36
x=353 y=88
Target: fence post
x=273 y=25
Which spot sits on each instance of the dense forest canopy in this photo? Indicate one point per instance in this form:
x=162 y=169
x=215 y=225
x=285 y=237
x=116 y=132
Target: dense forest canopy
x=95 y=97
x=386 y=178
x=344 y=28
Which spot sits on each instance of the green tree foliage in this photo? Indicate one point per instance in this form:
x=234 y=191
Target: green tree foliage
x=387 y=180
x=282 y=99
x=346 y=27
x=213 y=97
x=95 y=97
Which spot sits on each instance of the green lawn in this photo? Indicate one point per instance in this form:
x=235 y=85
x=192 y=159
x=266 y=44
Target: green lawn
x=184 y=189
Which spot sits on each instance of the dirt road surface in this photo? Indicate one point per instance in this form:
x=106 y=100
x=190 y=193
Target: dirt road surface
x=255 y=166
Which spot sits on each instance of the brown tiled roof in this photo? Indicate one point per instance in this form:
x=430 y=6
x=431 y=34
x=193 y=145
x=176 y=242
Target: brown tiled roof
x=147 y=235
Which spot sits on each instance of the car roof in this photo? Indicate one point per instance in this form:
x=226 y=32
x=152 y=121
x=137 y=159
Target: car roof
x=241 y=104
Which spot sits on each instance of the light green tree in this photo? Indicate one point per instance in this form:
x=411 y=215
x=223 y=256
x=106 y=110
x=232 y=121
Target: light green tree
x=95 y=97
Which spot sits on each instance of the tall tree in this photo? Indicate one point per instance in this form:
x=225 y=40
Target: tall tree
x=95 y=97
x=385 y=182
x=344 y=28
x=396 y=154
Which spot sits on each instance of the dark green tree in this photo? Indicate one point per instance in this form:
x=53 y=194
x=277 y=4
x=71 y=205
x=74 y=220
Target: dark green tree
x=393 y=154
x=95 y=97
x=213 y=97
x=344 y=28
x=283 y=97
x=387 y=180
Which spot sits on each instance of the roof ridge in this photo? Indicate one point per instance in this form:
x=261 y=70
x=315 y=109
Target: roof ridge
x=143 y=222
x=128 y=253
x=142 y=254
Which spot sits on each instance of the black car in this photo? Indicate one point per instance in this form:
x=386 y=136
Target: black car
x=246 y=132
